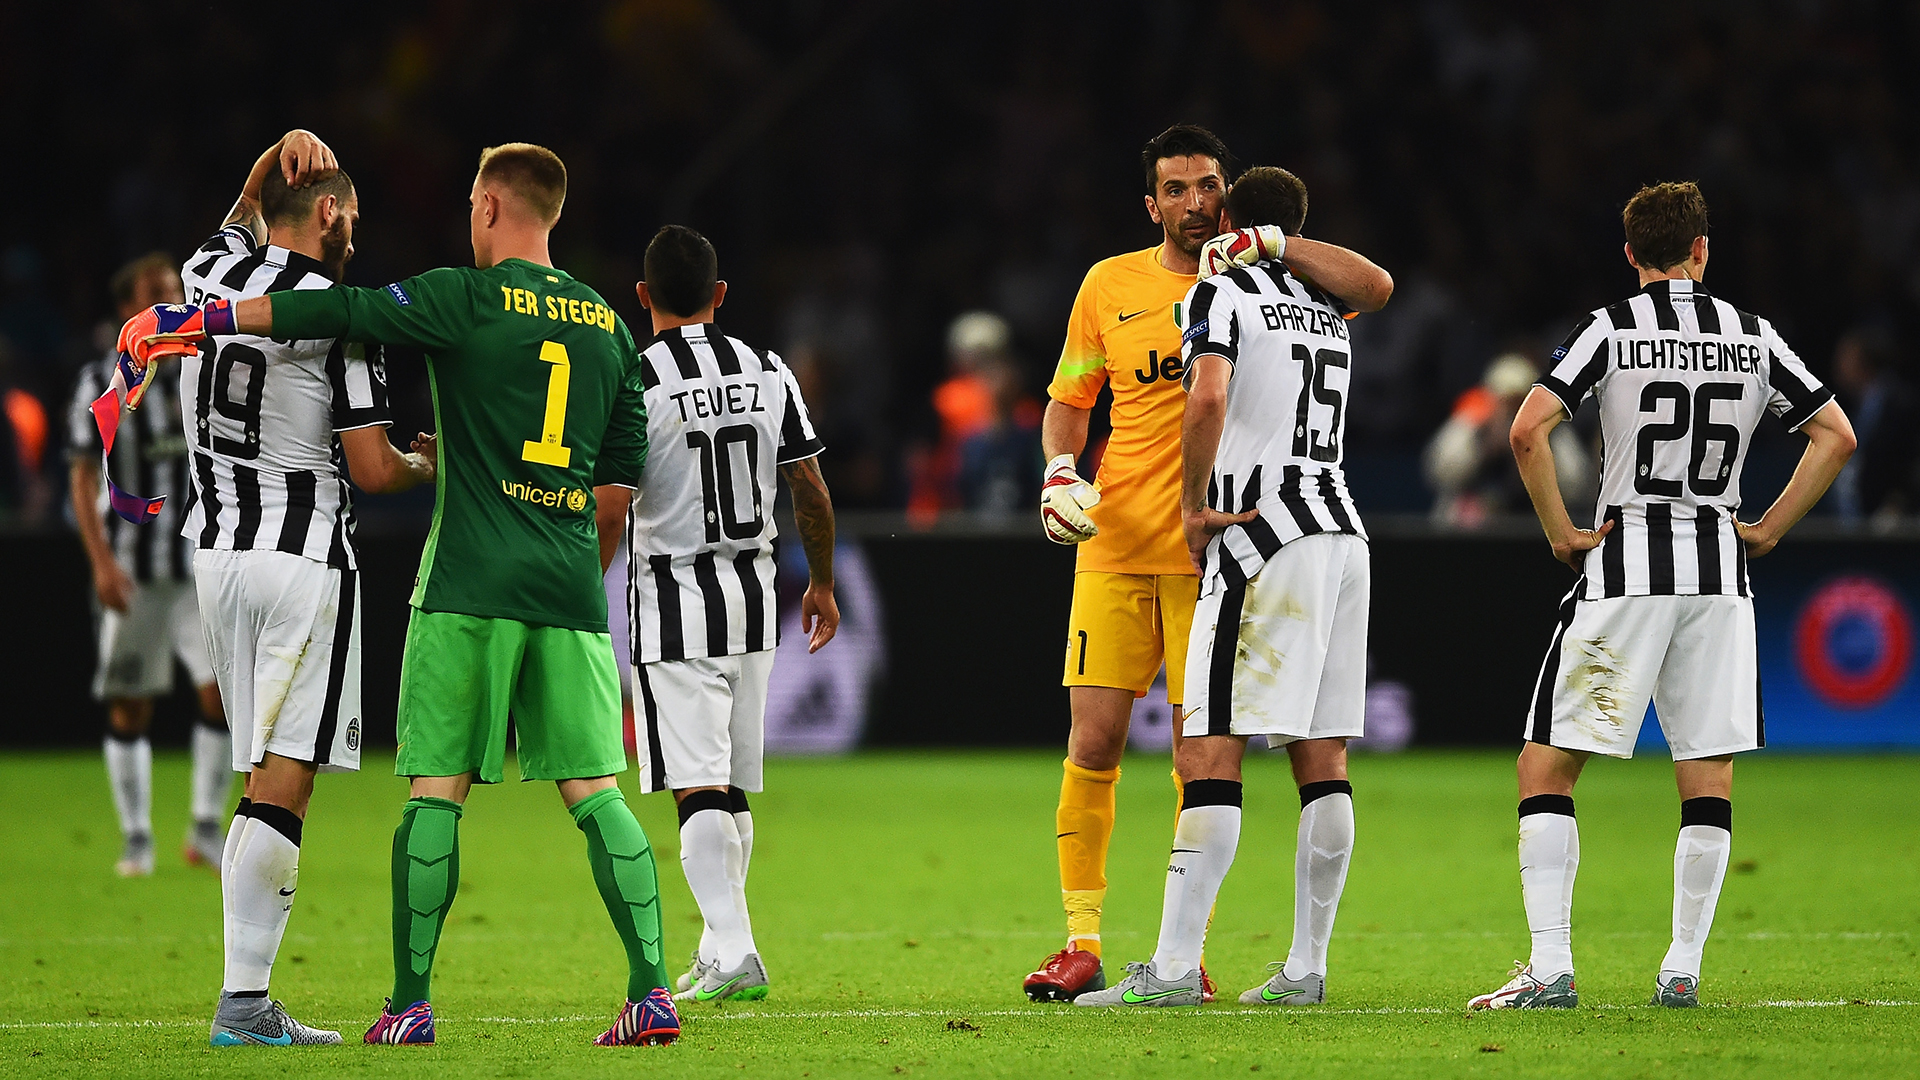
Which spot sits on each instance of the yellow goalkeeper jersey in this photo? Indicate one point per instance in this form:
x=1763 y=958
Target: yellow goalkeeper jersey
x=1125 y=331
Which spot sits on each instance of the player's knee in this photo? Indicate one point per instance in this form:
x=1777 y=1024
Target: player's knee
x=129 y=717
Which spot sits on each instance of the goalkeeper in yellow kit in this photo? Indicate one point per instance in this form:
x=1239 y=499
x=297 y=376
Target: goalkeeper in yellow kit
x=1134 y=587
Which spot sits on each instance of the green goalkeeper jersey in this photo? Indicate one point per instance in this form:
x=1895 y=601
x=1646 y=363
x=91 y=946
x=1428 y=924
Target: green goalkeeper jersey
x=537 y=398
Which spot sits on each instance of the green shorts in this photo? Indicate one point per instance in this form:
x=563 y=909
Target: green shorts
x=462 y=677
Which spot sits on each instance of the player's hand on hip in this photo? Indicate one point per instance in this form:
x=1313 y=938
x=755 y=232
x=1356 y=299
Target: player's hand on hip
x=1202 y=525
x=1573 y=550
x=1065 y=499
x=819 y=615
x=1758 y=538
x=1243 y=247
x=304 y=159
x=113 y=586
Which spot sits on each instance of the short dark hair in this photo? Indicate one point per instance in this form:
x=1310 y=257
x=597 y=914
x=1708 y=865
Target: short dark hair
x=1182 y=140
x=1662 y=221
x=280 y=203
x=535 y=173
x=127 y=279
x=1265 y=195
x=681 y=269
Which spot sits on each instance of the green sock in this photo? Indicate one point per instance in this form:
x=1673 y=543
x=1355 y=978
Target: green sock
x=623 y=868
x=426 y=874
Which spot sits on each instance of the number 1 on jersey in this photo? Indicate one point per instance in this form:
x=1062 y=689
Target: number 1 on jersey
x=548 y=450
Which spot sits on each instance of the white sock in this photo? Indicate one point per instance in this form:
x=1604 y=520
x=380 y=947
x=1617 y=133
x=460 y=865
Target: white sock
x=1320 y=858
x=1549 y=858
x=258 y=897
x=743 y=824
x=1699 y=868
x=709 y=845
x=1204 y=843
x=212 y=771
x=130 y=772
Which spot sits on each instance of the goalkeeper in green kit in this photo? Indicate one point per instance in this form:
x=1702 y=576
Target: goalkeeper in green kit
x=541 y=422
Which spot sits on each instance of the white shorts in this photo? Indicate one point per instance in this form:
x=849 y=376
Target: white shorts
x=1285 y=655
x=284 y=632
x=703 y=722
x=1692 y=656
x=137 y=646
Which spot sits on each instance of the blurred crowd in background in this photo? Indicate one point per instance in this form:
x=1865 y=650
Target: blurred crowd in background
x=905 y=196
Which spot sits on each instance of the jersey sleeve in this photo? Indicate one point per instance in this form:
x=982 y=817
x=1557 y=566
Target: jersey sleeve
x=1577 y=365
x=1213 y=324
x=83 y=436
x=433 y=312
x=358 y=375
x=1082 y=370
x=623 y=453
x=1795 y=394
x=798 y=440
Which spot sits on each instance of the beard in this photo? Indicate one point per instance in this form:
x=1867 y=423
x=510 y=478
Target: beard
x=335 y=249
x=1185 y=242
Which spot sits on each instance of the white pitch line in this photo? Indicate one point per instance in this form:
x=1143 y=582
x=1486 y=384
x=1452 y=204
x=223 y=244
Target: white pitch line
x=951 y=1014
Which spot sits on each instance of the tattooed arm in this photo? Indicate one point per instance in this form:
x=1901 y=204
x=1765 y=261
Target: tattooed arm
x=813 y=515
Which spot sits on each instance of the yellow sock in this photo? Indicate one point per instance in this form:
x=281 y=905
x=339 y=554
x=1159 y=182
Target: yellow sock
x=1085 y=825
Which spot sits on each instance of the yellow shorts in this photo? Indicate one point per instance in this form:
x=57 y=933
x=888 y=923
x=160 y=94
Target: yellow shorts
x=1124 y=626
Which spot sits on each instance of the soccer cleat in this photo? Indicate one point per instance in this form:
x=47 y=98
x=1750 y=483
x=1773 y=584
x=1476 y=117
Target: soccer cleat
x=1208 y=991
x=1142 y=987
x=649 y=1022
x=270 y=1027
x=136 y=859
x=413 y=1027
x=1676 y=990
x=1066 y=975
x=1523 y=991
x=1281 y=990
x=204 y=845
x=696 y=968
x=748 y=982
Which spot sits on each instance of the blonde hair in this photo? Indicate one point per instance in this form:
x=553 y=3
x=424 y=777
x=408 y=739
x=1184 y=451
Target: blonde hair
x=534 y=173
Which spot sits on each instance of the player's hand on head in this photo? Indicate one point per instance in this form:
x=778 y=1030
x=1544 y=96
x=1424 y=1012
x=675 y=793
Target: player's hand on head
x=1757 y=539
x=1242 y=247
x=304 y=159
x=819 y=616
x=1065 y=499
x=1573 y=550
x=1201 y=526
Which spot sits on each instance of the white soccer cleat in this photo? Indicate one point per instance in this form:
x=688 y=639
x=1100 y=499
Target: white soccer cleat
x=136 y=859
x=1523 y=991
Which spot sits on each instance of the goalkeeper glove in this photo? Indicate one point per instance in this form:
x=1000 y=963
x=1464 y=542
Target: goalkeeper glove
x=169 y=330
x=1243 y=247
x=1065 y=499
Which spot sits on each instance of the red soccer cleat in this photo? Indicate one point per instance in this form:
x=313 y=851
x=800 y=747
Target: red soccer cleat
x=651 y=1021
x=1206 y=986
x=1066 y=975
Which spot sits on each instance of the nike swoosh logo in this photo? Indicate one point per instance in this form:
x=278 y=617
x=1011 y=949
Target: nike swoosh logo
x=1132 y=998
x=1268 y=995
x=285 y=1038
x=709 y=995
x=1186 y=851
x=1075 y=832
x=1124 y=316
x=286 y=892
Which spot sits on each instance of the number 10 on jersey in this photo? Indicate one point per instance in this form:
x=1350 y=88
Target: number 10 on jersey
x=548 y=450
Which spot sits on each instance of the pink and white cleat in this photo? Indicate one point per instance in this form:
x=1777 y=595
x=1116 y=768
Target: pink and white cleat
x=651 y=1021
x=413 y=1027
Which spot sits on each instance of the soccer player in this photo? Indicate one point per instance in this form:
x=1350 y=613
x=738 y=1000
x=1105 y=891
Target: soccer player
x=1662 y=610
x=143 y=577
x=723 y=418
x=1133 y=585
x=542 y=437
x=1279 y=642
x=272 y=523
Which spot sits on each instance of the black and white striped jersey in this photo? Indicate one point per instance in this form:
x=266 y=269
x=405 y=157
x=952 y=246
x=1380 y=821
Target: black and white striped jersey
x=261 y=414
x=721 y=418
x=1286 y=420
x=150 y=457
x=1682 y=379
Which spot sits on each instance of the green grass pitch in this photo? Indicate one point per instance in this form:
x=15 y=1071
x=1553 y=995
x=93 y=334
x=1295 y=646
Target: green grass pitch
x=899 y=898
